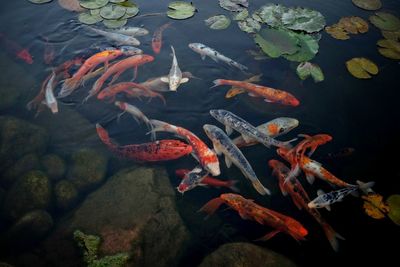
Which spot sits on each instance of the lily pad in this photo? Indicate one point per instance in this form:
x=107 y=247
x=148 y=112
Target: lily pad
x=117 y=1
x=391 y=35
x=385 y=21
x=180 y=10
x=308 y=48
x=394 y=208
x=271 y=14
x=361 y=68
x=114 y=23
x=249 y=25
x=93 y=4
x=241 y=15
x=95 y=12
x=218 y=22
x=89 y=19
x=368 y=4
x=40 y=1
x=257 y=54
x=306 y=69
x=277 y=42
x=337 y=32
x=131 y=12
x=234 y=5
x=112 y=12
x=353 y=25
x=126 y=3
x=303 y=19
x=389 y=48
x=374 y=206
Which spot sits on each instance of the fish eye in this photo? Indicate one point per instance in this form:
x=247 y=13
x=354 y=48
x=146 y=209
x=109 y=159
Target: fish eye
x=281 y=130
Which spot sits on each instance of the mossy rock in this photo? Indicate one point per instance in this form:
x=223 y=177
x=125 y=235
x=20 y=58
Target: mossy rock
x=66 y=195
x=8 y=97
x=54 y=166
x=26 y=163
x=31 y=191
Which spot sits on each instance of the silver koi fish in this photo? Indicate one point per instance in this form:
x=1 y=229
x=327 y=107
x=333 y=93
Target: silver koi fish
x=155 y=84
x=132 y=31
x=174 y=78
x=50 y=99
x=121 y=39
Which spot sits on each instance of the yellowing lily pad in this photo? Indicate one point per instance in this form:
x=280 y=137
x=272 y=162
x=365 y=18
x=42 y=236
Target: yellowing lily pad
x=389 y=48
x=112 y=12
x=337 y=32
x=362 y=68
x=391 y=35
x=89 y=19
x=385 y=21
x=374 y=206
x=306 y=69
x=180 y=10
x=219 y=22
x=394 y=208
x=93 y=4
x=368 y=4
x=353 y=24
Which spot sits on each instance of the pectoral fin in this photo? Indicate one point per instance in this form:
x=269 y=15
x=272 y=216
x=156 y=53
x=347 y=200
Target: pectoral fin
x=247 y=138
x=164 y=79
x=203 y=57
x=184 y=80
x=310 y=178
x=252 y=95
x=217 y=150
x=228 y=130
x=228 y=162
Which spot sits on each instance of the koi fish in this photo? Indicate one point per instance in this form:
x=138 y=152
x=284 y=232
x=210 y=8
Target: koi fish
x=325 y=200
x=313 y=169
x=155 y=84
x=132 y=31
x=156 y=42
x=248 y=131
x=90 y=64
x=248 y=210
x=269 y=94
x=49 y=52
x=204 y=51
x=120 y=39
x=300 y=198
x=237 y=90
x=50 y=100
x=117 y=69
x=16 y=49
x=201 y=152
x=192 y=179
x=128 y=50
x=174 y=78
x=273 y=128
x=161 y=150
x=206 y=181
x=223 y=145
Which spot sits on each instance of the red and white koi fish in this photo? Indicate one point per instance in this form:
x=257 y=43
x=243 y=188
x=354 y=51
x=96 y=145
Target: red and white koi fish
x=156 y=42
x=201 y=152
x=161 y=150
x=269 y=94
x=16 y=49
x=301 y=199
x=248 y=210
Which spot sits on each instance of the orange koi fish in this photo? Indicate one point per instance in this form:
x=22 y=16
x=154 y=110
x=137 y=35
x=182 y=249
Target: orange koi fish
x=117 y=69
x=269 y=94
x=248 y=210
x=161 y=150
x=16 y=49
x=90 y=64
x=237 y=90
x=300 y=198
x=156 y=42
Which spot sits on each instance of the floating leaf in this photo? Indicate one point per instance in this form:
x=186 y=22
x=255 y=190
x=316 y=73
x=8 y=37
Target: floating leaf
x=337 y=32
x=271 y=14
x=89 y=19
x=180 y=10
x=93 y=4
x=112 y=12
x=303 y=19
x=117 y=1
x=276 y=43
x=40 y=1
x=368 y=4
x=389 y=48
x=218 y=22
x=306 y=69
x=394 y=208
x=385 y=21
x=308 y=48
x=126 y=3
x=361 y=67
x=353 y=25
x=374 y=206
x=249 y=25
x=257 y=55
x=131 y=12
x=114 y=23
x=234 y=5
x=94 y=12
x=391 y=35
x=71 y=5
x=241 y=15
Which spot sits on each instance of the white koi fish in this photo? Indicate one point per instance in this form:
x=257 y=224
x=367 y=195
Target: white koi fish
x=120 y=39
x=50 y=100
x=132 y=31
x=174 y=78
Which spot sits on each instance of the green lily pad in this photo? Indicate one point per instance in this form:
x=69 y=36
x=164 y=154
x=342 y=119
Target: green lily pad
x=234 y=5
x=394 y=208
x=114 y=23
x=391 y=35
x=93 y=4
x=385 y=21
x=306 y=69
x=271 y=14
x=241 y=15
x=277 y=42
x=117 y=1
x=112 y=12
x=131 y=12
x=95 y=12
x=368 y=4
x=389 y=48
x=249 y=25
x=218 y=22
x=180 y=10
x=89 y=19
x=303 y=19
x=40 y=1
x=126 y=3
x=308 y=48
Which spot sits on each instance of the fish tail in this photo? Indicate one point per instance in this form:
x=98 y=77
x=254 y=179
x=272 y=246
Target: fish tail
x=211 y=206
x=268 y=236
x=332 y=236
x=157 y=126
x=68 y=86
x=150 y=126
x=217 y=82
x=287 y=144
x=365 y=187
x=232 y=185
x=103 y=135
x=260 y=188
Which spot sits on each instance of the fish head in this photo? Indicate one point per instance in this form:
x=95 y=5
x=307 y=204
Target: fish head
x=214 y=168
x=218 y=114
x=130 y=50
x=280 y=126
x=197 y=47
x=316 y=204
x=121 y=105
x=324 y=138
x=190 y=180
x=289 y=100
x=54 y=107
x=174 y=83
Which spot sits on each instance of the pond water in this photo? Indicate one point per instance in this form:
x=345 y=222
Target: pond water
x=361 y=114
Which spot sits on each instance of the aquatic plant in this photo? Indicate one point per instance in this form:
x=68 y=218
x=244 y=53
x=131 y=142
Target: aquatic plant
x=112 y=12
x=361 y=67
x=277 y=42
x=89 y=19
x=93 y=4
x=385 y=21
x=374 y=206
x=249 y=25
x=368 y=4
x=241 y=15
x=389 y=48
x=180 y=10
x=346 y=26
x=307 y=69
x=218 y=22
x=234 y=5
x=394 y=208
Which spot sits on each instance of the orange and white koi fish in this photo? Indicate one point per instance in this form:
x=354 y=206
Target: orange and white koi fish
x=269 y=94
x=90 y=64
x=237 y=90
x=301 y=199
x=248 y=210
x=156 y=42
x=117 y=69
x=201 y=152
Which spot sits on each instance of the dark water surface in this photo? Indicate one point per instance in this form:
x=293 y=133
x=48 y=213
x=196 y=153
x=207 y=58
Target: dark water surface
x=358 y=113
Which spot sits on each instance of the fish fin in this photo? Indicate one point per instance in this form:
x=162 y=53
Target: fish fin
x=355 y=194
x=268 y=236
x=228 y=130
x=320 y=192
x=217 y=150
x=365 y=187
x=328 y=207
x=184 y=80
x=252 y=94
x=216 y=82
x=244 y=216
x=247 y=138
x=310 y=178
x=203 y=57
x=297 y=203
x=332 y=236
x=211 y=206
x=232 y=185
x=260 y=188
x=228 y=162
x=267 y=100
x=164 y=79
x=195 y=156
x=282 y=188
x=292 y=174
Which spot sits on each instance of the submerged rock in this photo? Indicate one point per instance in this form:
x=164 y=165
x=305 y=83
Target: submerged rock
x=88 y=168
x=245 y=255
x=8 y=97
x=66 y=195
x=54 y=166
x=31 y=191
x=21 y=166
